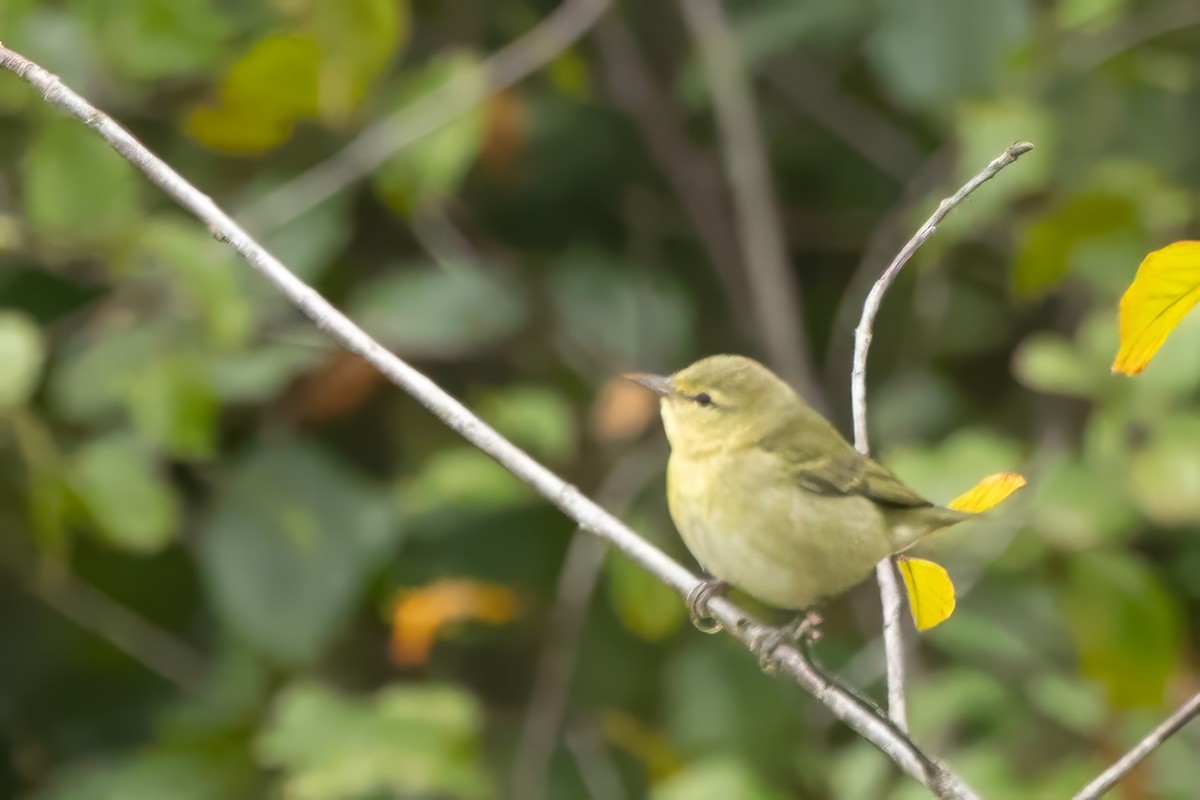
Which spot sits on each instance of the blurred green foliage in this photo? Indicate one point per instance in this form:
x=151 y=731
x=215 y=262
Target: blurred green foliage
x=207 y=512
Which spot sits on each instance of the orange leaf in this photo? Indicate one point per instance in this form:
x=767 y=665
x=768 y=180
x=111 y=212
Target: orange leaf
x=1164 y=290
x=930 y=591
x=420 y=614
x=988 y=492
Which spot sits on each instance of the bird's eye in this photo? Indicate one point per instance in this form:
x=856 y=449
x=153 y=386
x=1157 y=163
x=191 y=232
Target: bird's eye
x=703 y=399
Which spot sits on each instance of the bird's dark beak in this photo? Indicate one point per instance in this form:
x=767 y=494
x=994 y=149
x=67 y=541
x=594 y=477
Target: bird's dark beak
x=659 y=384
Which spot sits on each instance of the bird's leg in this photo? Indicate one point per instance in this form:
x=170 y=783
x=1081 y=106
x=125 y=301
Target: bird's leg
x=804 y=628
x=697 y=604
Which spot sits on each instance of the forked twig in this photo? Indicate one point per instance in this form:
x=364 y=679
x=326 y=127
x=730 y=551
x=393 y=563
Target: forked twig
x=889 y=585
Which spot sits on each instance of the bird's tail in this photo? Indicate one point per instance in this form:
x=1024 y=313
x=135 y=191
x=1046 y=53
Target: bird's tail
x=913 y=524
x=910 y=525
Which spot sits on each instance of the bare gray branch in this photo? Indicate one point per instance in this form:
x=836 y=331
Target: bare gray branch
x=1125 y=764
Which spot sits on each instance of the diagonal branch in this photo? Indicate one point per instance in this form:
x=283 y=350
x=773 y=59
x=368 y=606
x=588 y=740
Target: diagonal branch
x=866 y=720
x=375 y=145
x=807 y=83
x=885 y=571
x=123 y=628
x=764 y=251
x=1125 y=764
x=577 y=582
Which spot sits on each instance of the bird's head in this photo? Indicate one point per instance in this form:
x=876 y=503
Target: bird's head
x=720 y=402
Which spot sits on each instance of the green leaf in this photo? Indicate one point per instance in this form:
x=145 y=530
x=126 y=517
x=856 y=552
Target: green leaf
x=404 y=741
x=124 y=491
x=204 y=273
x=1088 y=14
x=1078 y=504
x=22 y=354
x=858 y=771
x=1049 y=245
x=433 y=313
x=433 y=167
x=464 y=479
x=932 y=53
x=537 y=418
x=173 y=404
x=94 y=372
x=1076 y=706
x=288 y=545
x=644 y=605
x=954 y=466
x=960 y=696
x=150 y=39
x=913 y=406
x=1125 y=626
x=149 y=776
x=164 y=388
x=358 y=38
x=1049 y=363
x=78 y=191
x=274 y=84
x=1165 y=474
x=620 y=313
x=1099 y=231
x=260 y=374
x=720 y=778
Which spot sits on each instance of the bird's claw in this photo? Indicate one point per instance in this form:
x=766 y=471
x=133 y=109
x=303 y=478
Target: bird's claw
x=697 y=605
x=764 y=642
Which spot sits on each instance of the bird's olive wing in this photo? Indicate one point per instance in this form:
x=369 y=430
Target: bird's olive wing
x=822 y=462
x=882 y=486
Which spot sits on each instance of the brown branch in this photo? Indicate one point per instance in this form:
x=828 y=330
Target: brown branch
x=693 y=178
x=773 y=289
x=577 y=582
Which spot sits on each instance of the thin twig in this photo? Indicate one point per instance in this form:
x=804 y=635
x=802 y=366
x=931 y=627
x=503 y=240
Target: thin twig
x=1083 y=53
x=888 y=234
x=126 y=630
x=577 y=581
x=808 y=84
x=375 y=145
x=891 y=604
x=889 y=585
x=866 y=721
x=1125 y=764
x=596 y=767
x=773 y=289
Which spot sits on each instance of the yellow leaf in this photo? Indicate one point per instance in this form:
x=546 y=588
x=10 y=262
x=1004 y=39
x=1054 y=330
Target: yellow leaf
x=988 y=492
x=1164 y=290
x=930 y=591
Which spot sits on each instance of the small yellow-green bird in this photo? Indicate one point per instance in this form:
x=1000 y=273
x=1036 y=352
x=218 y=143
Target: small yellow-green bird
x=767 y=494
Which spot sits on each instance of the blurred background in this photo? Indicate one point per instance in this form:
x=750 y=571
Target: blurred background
x=235 y=563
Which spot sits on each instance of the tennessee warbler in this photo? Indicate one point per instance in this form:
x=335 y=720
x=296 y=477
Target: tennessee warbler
x=768 y=496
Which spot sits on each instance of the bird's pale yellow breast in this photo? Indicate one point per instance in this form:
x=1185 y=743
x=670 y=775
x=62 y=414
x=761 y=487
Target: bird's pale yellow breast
x=750 y=526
